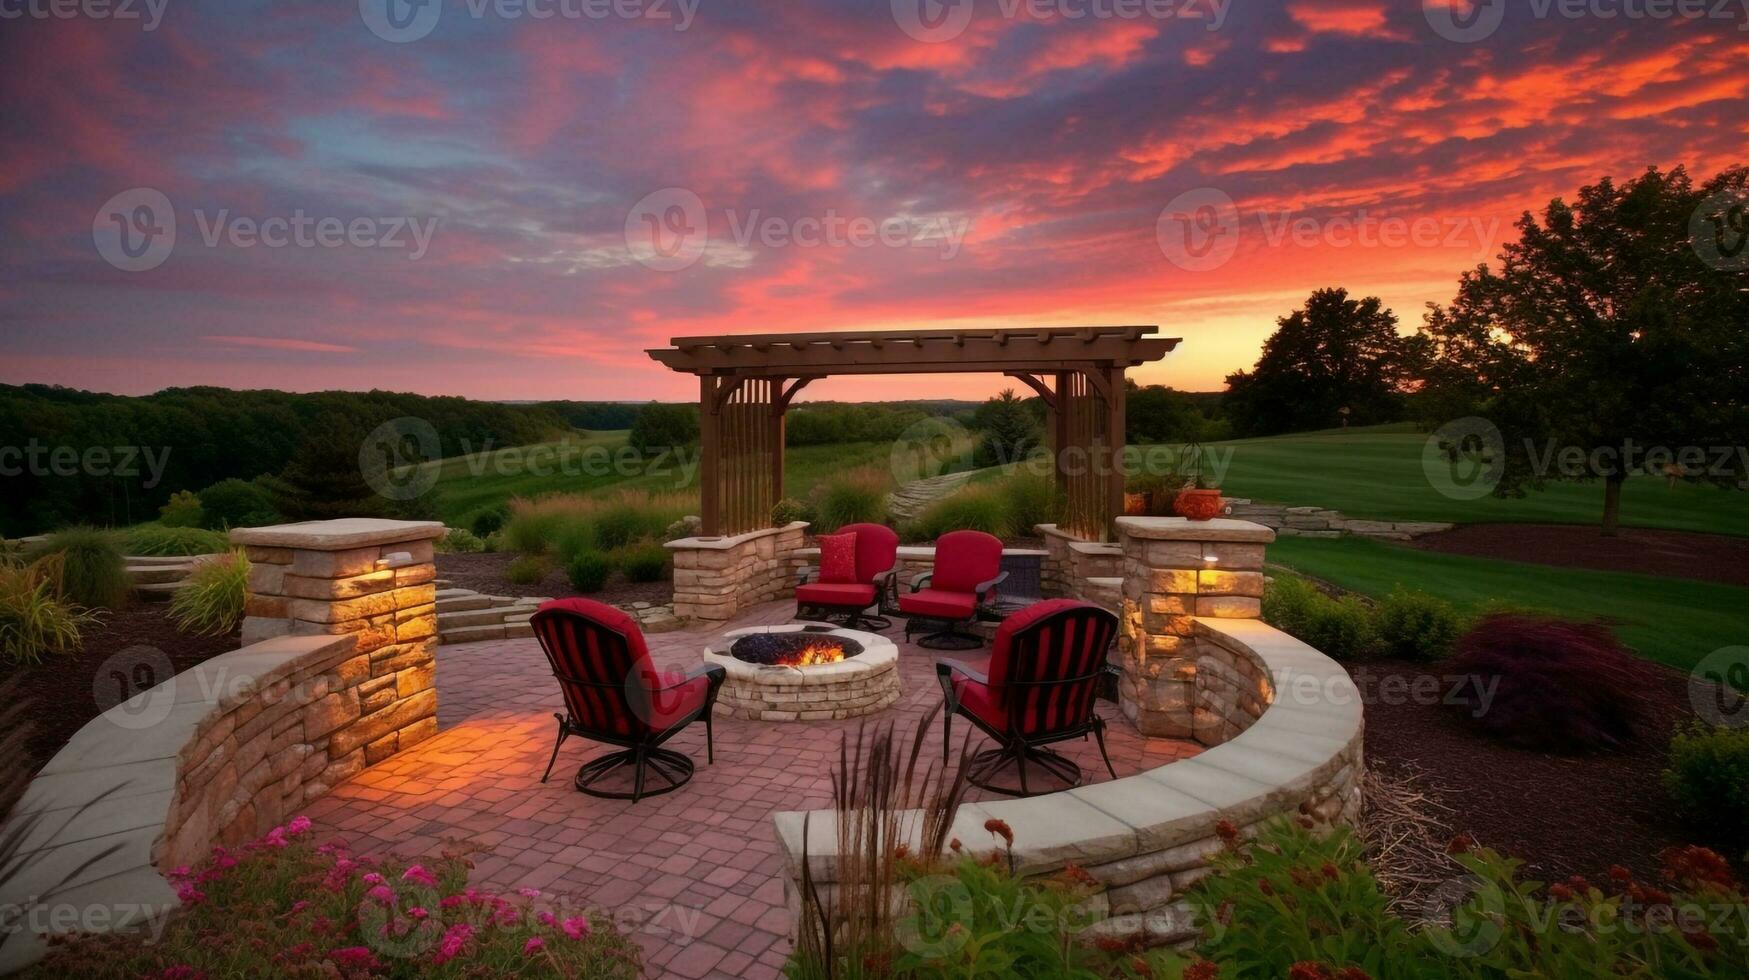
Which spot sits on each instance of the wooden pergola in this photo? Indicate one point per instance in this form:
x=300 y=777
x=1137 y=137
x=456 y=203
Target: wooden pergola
x=746 y=384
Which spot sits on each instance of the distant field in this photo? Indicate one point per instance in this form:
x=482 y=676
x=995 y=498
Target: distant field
x=601 y=462
x=1377 y=473
x=1672 y=621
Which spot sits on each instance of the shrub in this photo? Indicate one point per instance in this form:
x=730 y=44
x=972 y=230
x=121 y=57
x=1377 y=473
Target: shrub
x=645 y=561
x=92 y=573
x=211 y=601
x=182 y=510
x=564 y=524
x=460 y=541
x=1031 y=499
x=786 y=512
x=1551 y=684
x=238 y=503
x=589 y=570
x=660 y=427
x=527 y=570
x=154 y=540
x=976 y=508
x=34 y=619
x=490 y=521
x=282 y=906
x=855 y=498
x=1417 y=626
x=622 y=523
x=1709 y=780
x=1342 y=628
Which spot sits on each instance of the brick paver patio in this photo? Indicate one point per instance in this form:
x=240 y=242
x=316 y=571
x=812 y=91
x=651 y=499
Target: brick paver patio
x=694 y=876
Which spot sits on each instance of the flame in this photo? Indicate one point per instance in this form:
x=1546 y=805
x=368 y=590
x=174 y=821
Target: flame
x=814 y=654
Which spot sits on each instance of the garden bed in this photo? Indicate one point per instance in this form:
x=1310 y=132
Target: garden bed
x=66 y=692
x=485 y=573
x=1565 y=815
x=1674 y=554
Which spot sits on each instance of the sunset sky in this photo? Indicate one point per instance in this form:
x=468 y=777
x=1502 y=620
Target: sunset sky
x=1019 y=160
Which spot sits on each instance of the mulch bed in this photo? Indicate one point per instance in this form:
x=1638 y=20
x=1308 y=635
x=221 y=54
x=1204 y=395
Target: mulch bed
x=1565 y=815
x=63 y=693
x=1674 y=554
x=485 y=573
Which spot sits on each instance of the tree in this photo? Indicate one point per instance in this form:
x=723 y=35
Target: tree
x=1333 y=353
x=1608 y=343
x=1011 y=430
x=1158 y=414
x=660 y=427
x=324 y=478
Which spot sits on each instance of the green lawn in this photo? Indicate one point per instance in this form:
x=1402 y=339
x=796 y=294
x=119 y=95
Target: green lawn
x=1673 y=621
x=1376 y=473
x=599 y=462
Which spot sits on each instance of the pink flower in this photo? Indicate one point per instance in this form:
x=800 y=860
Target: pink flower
x=187 y=894
x=576 y=927
x=452 y=943
x=528 y=892
x=418 y=912
x=274 y=838
x=182 y=872
x=382 y=893
x=546 y=919
x=419 y=876
x=299 y=825
x=374 y=879
x=534 y=945
x=355 y=957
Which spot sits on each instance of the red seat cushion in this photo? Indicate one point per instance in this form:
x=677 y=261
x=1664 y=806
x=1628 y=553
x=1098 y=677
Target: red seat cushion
x=673 y=697
x=980 y=701
x=837 y=558
x=836 y=594
x=935 y=602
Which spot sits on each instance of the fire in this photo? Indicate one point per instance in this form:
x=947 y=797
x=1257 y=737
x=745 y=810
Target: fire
x=814 y=654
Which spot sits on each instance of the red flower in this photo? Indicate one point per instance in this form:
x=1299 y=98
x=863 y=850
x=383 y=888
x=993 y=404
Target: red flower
x=1077 y=875
x=1001 y=829
x=1696 y=867
x=1561 y=893
x=1619 y=873
x=1305 y=970
x=1265 y=887
x=1228 y=833
x=955 y=844
x=1461 y=844
x=1352 y=973
x=1329 y=871
x=1202 y=970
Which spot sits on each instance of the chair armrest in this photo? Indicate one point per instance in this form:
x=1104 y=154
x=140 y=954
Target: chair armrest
x=947 y=668
x=715 y=672
x=984 y=587
x=921 y=579
x=805 y=572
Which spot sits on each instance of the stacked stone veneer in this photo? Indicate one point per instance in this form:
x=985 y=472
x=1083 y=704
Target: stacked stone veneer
x=1073 y=567
x=1322 y=522
x=856 y=686
x=225 y=751
x=716 y=578
x=1147 y=838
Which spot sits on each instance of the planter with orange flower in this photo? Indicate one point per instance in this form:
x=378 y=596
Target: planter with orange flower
x=1198 y=501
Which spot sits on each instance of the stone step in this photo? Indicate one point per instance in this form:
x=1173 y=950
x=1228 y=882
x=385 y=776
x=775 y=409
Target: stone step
x=159 y=591
x=163 y=559
x=157 y=574
x=462 y=603
x=481 y=617
x=471 y=634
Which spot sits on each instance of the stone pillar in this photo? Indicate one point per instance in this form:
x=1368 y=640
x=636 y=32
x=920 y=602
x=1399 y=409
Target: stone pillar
x=373 y=580
x=717 y=578
x=1174 y=571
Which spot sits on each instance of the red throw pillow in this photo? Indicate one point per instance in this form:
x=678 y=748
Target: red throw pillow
x=837 y=558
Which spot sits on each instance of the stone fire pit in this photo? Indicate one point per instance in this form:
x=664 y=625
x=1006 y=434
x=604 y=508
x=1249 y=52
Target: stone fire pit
x=762 y=686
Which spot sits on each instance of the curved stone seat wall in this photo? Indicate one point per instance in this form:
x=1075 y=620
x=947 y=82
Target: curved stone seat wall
x=715 y=578
x=1295 y=746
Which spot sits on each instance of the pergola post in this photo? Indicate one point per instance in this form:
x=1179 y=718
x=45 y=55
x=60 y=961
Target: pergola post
x=709 y=452
x=1114 y=424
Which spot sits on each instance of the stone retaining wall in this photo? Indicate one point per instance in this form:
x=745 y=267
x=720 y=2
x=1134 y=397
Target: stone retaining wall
x=1147 y=838
x=715 y=578
x=1321 y=522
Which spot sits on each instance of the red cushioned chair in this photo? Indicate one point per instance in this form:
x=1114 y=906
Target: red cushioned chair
x=1037 y=687
x=968 y=567
x=869 y=579
x=614 y=694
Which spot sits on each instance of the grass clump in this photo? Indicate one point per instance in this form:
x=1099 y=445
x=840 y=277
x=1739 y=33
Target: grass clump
x=157 y=540
x=1032 y=499
x=211 y=602
x=92 y=573
x=854 y=498
x=644 y=561
x=976 y=508
x=527 y=570
x=564 y=525
x=34 y=620
x=588 y=571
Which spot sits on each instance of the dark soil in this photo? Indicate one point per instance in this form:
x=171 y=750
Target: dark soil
x=1674 y=554
x=1564 y=815
x=135 y=648
x=485 y=573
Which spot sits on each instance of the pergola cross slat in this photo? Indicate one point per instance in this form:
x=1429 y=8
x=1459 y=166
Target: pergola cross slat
x=747 y=382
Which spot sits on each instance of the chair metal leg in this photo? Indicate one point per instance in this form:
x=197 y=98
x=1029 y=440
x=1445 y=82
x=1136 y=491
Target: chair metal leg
x=1099 y=736
x=555 y=756
x=638 y=776
x=710 y=742
x=1020 y=762
x=946 y=735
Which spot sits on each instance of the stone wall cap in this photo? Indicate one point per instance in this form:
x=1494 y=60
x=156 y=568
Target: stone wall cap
x=731 y=541
x=338 y=535
x=1184 y=529
x=926 y=552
